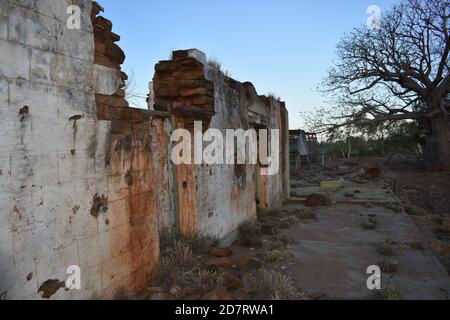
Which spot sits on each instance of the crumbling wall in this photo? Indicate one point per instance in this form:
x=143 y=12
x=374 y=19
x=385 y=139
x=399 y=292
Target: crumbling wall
x=213 y=200
x=86 y=180
x=79 y=173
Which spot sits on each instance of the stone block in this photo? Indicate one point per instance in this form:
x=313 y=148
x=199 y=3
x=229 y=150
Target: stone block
x=76 y=43
x=107 y=80
x=331 y=185
x=40 y=99
x=32 y=29
x=15 y=60
x=73 y=73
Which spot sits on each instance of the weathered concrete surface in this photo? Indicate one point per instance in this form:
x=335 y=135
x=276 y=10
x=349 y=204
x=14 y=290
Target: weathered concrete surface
x=333 y=253
x=213 y=200
x=78 y=183
x=86 y=180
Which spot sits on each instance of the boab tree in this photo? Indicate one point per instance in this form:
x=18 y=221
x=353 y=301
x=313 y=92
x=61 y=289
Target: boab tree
x=396 y=72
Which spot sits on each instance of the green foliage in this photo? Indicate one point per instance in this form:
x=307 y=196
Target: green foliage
x=376 y=140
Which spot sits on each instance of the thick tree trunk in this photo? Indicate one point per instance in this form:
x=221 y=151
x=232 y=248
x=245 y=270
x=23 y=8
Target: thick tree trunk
x=437 y=150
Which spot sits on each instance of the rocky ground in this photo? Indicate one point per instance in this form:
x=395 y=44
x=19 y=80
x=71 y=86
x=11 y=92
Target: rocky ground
x=340 y=220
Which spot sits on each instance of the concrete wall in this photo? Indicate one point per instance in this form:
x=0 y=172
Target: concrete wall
x=78 y=183
x=86 y=180
x=214 y=200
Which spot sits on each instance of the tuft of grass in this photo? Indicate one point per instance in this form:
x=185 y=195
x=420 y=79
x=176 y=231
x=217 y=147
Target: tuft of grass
x=369 y=225
x=328 y=200
x=390 y=293
x=277 y=255
x=200 y=245
x=389 y=266
x=288 y=221
x=179 y=266
x=274 y=285
x=273 y=96
x=394 y=206
x=175 y=261
x=280 y=241
x=413 y=209
x=417 y=245
x=249 y=228
x=389 y=248
x=305 y=214
x=369 y=205
x=248 y=233
x=207 y=280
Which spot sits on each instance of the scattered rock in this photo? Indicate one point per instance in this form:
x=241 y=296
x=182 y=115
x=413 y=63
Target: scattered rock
x=240 y=263
x=231 y=281
x=441 y=248
x=254 y=265
x=267 y=229
x=189 y=291
x=220 y=252
x=372 y=173
x=316 y=200
x=215 y=262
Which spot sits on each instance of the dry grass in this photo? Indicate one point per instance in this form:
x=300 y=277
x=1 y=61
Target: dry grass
x=417 y=245
x=280 y=241
x=389 y=248
x=288 y=221
x=412 y=209
x=389 y=266
x=248 y=233
x=369 y=205
x=249 y=228
x=216 y=64
x=304 y=214
x=369 y=226
x=277 y=255
x=390 y=293
x=180 y=266
x=328 y=200
x=394 y=206
x=274 y=285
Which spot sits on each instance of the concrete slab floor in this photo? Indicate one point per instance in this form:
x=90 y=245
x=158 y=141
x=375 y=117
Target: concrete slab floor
x=333 y=253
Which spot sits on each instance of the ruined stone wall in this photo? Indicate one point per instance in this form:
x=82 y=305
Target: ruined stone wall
x=213 y=200
x=86 y=180
x=83 y=177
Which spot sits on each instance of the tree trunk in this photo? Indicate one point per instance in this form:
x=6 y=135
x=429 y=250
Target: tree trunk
x=437 y=150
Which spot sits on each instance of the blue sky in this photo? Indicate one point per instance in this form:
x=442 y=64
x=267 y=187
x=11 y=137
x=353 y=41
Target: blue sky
x=283 y=47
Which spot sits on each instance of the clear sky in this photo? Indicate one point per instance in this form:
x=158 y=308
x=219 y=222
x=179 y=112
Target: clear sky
x=281 y=46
